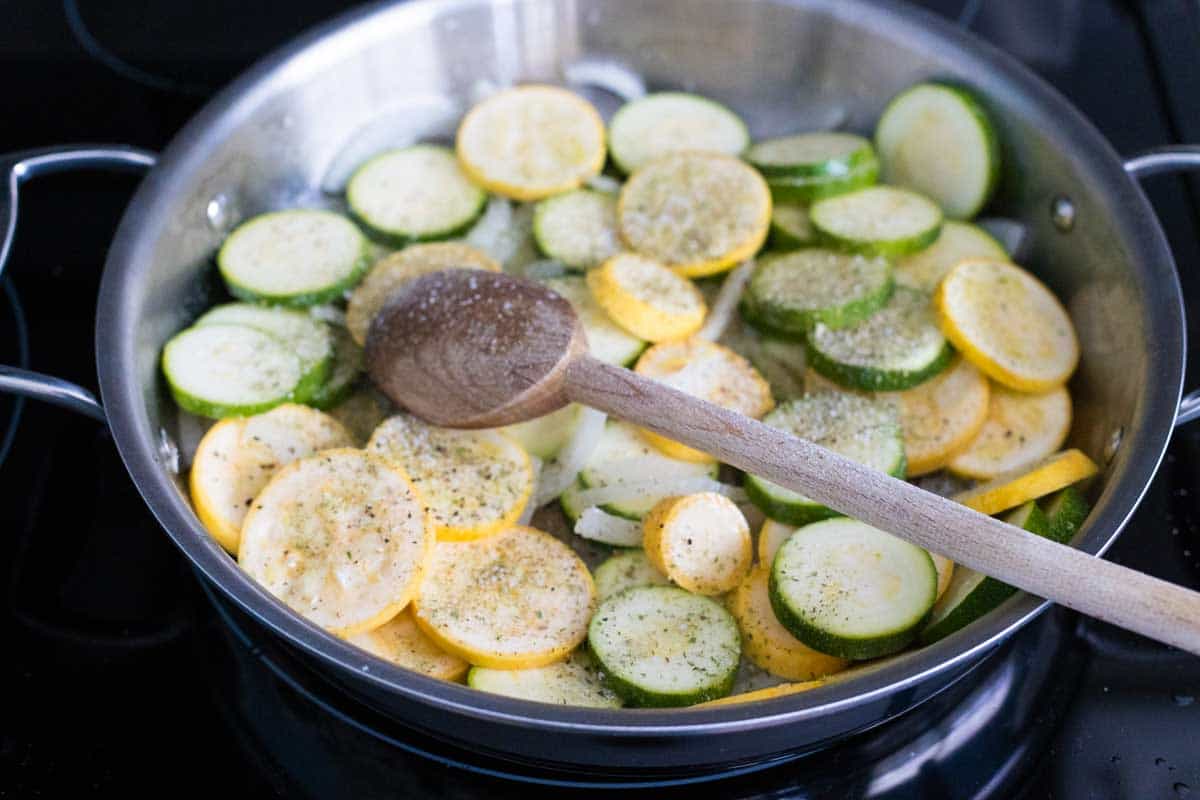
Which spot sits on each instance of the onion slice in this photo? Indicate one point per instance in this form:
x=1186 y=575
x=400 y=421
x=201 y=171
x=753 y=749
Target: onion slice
x=725 y=304
x=636 y=491
x=600 y=526
x=558 y=475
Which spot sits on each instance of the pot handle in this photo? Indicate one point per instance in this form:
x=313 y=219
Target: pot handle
x=1174 y=158
x=15 y=169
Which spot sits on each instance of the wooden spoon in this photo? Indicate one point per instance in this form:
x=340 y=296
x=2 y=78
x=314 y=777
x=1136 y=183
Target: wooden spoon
x=479 y=349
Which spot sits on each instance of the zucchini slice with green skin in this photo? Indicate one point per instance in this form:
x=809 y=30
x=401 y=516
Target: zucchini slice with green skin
x=574 y=682
x=849 y=590
x=878 y=221
x=938 y=139
x=972 y=594
x=625 y=571
x=301 y=257
x=607 y=340
x=669 y=122
x=896 y=348
x=810 y=154
x=661 y=647
x=578 y=229
x=414 y=194
x=791 y=228
x=810 y=188
x=221 y=371
x=792 y=292
x=623 y=456
x=544 y=436
x=863 y=429
x=1066 y=512
x=308 y=338
x=347 y=366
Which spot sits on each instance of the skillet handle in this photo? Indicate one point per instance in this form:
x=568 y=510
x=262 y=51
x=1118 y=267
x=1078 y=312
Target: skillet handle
x=15 y=169
x=1175 y=158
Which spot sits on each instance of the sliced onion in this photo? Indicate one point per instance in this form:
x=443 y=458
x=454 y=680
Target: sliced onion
x=329 y=313
x=557 y=476
x=642 y=491
x=531 y=505
x=725 y=304
x=491 y=231
x=599 y=526
x=604 y=183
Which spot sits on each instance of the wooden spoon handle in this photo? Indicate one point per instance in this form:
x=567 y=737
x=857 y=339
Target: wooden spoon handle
x=1085 y=583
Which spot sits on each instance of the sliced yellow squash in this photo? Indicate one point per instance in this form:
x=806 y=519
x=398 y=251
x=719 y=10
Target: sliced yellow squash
x=341 y=537
x=945 y=571
x=400 y=641
x=782 y=690
x=647 y=299
x=1007 y=491
x=237 y=457
x=941 y=416
x=1007 y=323
x=1020 y=429
x=700 y=541
x=698 y=213
x=531 y=142
x=516 y=600
x=475 y=482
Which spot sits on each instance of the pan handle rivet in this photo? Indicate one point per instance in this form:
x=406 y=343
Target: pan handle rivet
x=1062 y=213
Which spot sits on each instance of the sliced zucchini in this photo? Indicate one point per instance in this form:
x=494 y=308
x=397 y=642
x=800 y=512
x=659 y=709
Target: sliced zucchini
x=391 y=273
x=766 y=642
x=413 y=194
x=339 y=536
x=574 y=682
x=515 y=600
x=810 y=188
x=625 y=571
x=792 y=292
x=698 y=213
x=942 y=415
x=660 y=646
x=700 y=541
x=1020 y=430
x=860 y=428
x=668 y=122
x=531 y=142
x=230 y=371
x=607 y=340
x=878 y=221
x=937 y=139
x=545 y=436
x=810 y=154
x=237 y=457
x=624 y=457
x=1009 y=324
x=847 y=589
x=711 y=372
x=772 y=534
x=972 y=594
x=301 y=257
x=647 y=299
x=790 y=227
x=578 y=228
x=474 y=482
x=1011 y=490
x=401 y=642
x=1066 y=511
x=958 y=241
x=347 y=366
x=308 y=338
x=898 y=347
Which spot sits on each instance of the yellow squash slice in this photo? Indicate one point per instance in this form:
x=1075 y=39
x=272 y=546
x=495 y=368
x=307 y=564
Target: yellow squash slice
x=698 y=213
x=941 y=416
x=711 y=372
x=1007 y=323
x=647 y=299
x=771 y=535
x=531 y=142
x=945 y=571
x=475 y=482
x=341 y=537
x=516 y=600
x=400 y=641
x=237 y=457
x=766 y=642
x=392 y=272
x=1020 y=430
x=771 y=692
x=1011 y=490
x=700 y=541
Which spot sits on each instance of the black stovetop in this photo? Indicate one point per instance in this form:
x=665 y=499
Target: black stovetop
x=121 y=676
